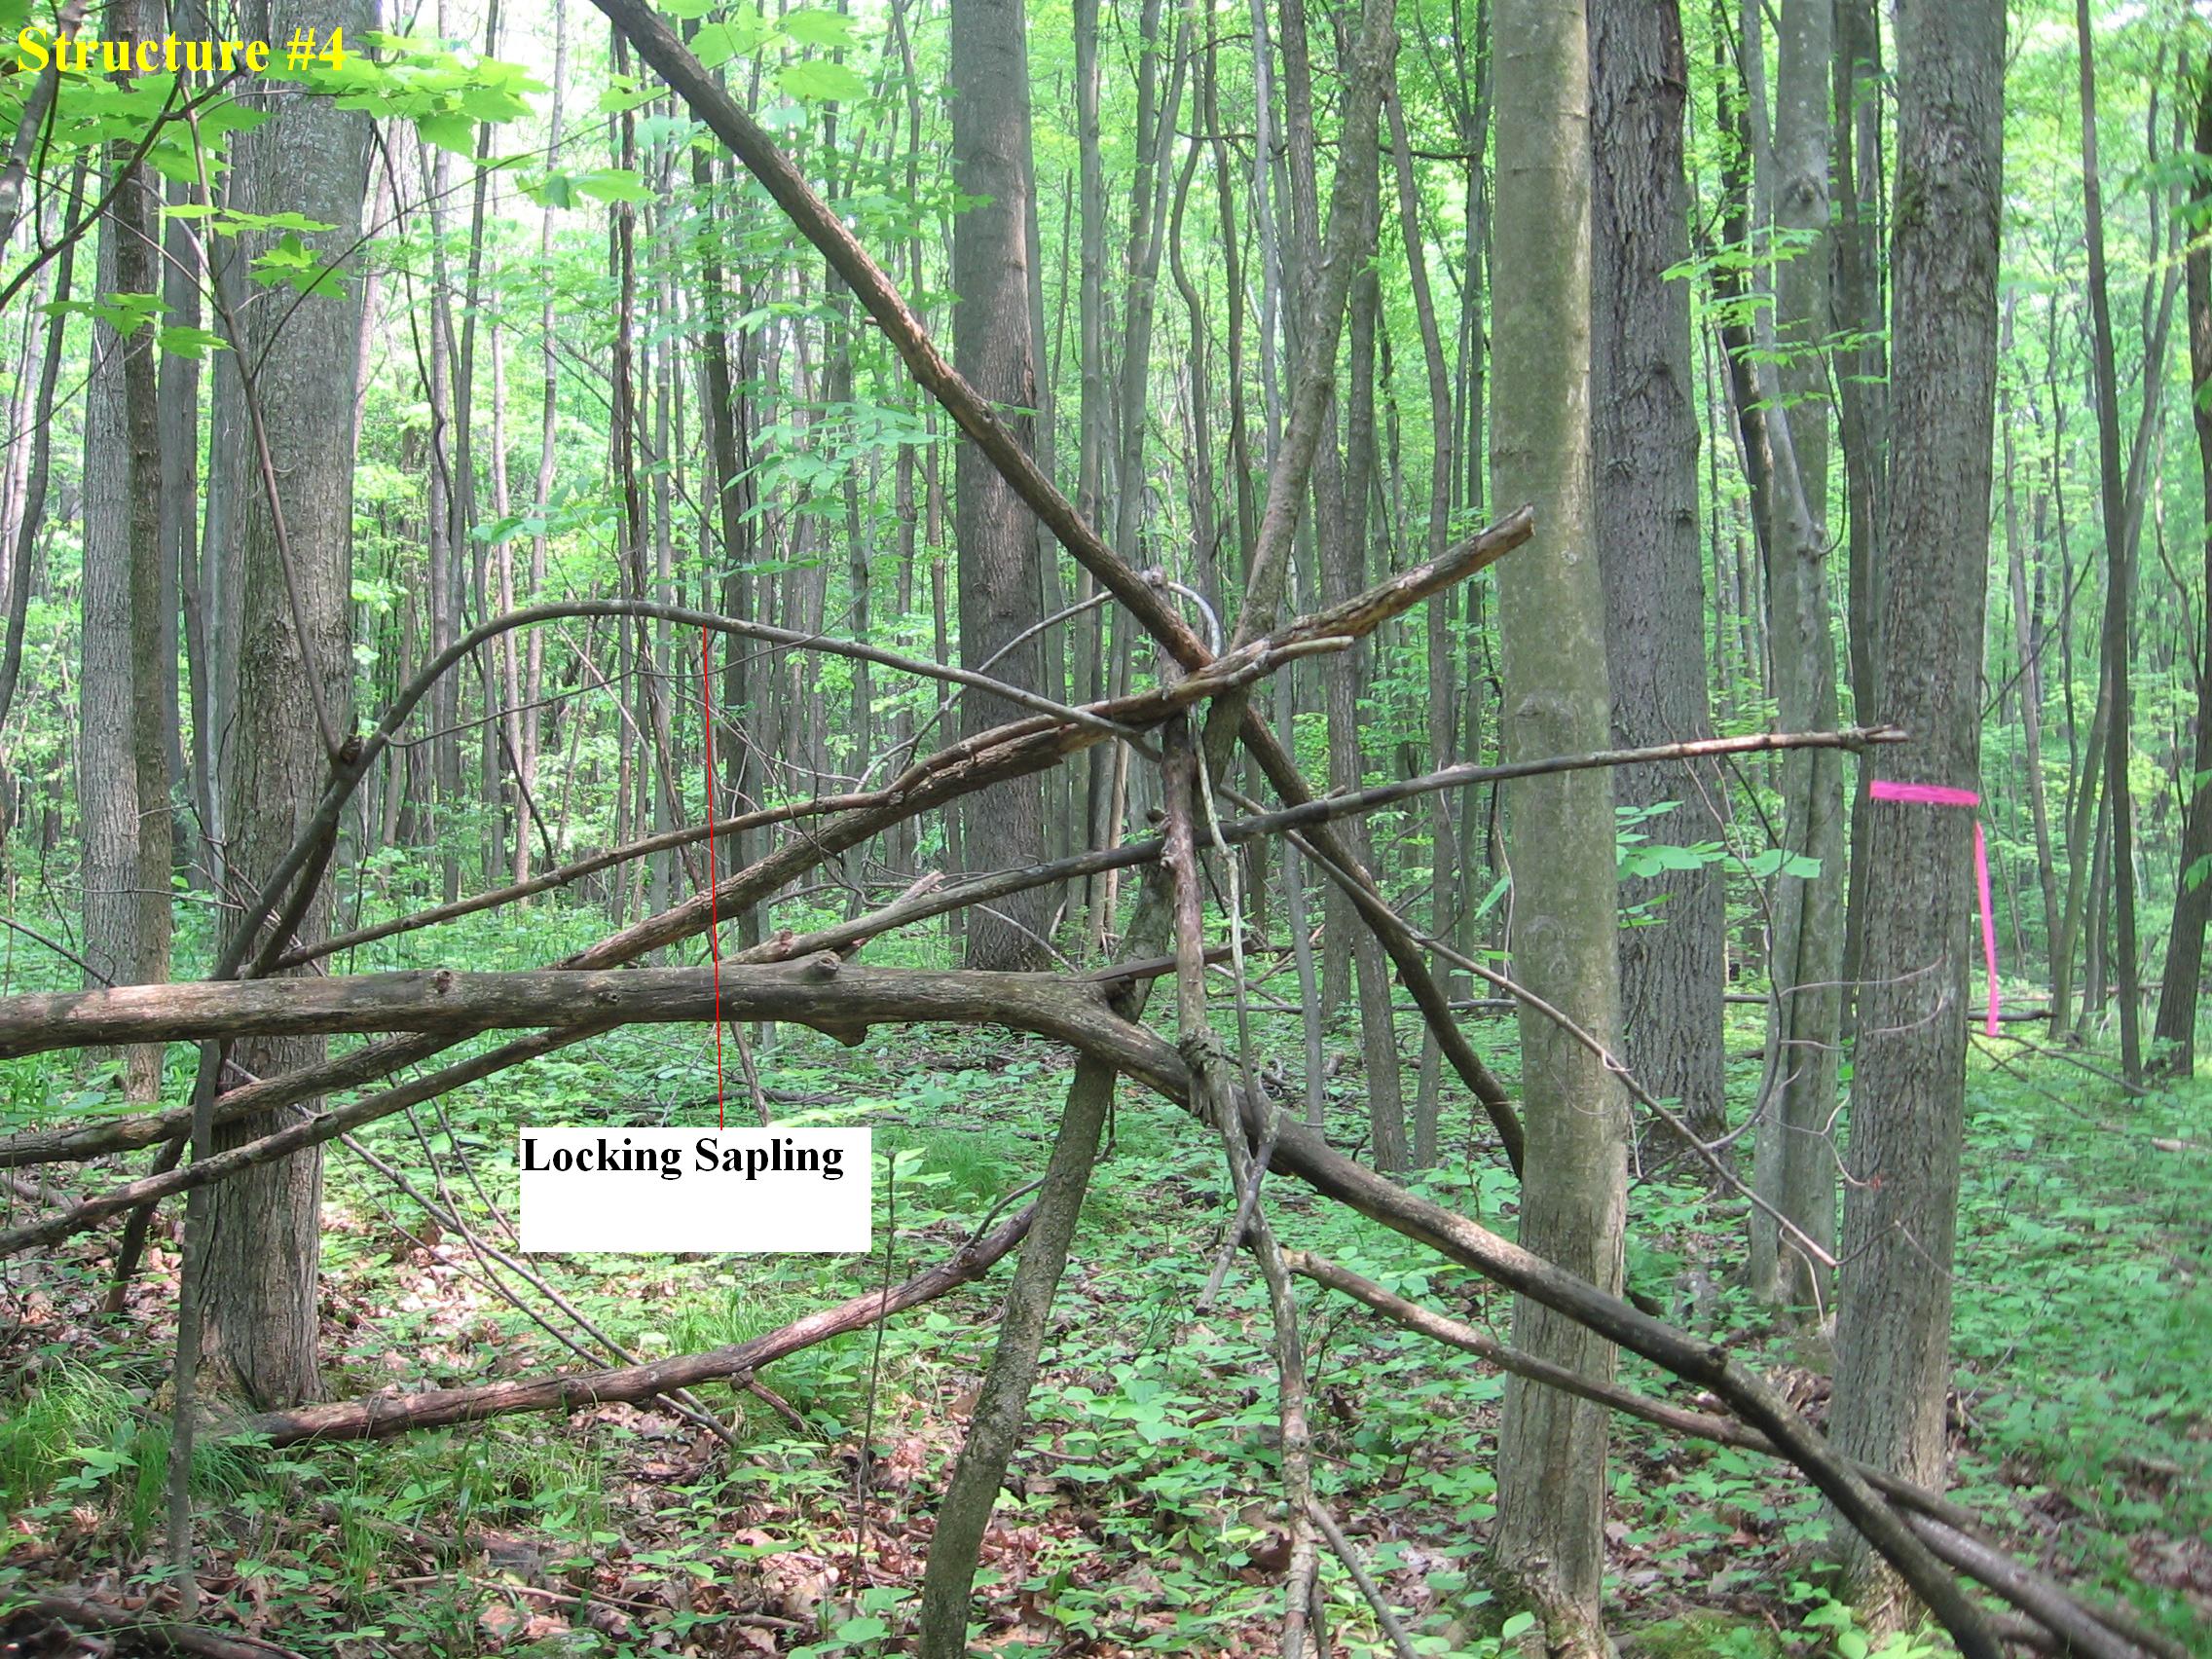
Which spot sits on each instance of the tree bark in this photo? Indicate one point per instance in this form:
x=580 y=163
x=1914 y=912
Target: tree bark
x=994 y=350
x=1908 y=1083
x=2178 y=992
x=265 y=1227
x=1792 y=1155
x=1550 y=1549
x=1645 y=443
x=126 y=912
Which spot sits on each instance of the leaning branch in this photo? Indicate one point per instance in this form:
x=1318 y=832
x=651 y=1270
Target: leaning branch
x=711 y=104
x=820 y=991
x=1945 y=1527
x=366 y=1064
x=381 y=1416
x=1075 y=1013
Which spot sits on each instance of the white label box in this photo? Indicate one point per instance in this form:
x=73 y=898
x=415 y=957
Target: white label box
x=718 y=1191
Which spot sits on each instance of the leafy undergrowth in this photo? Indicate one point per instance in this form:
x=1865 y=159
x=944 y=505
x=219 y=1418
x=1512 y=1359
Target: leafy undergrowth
x=1142 y=1516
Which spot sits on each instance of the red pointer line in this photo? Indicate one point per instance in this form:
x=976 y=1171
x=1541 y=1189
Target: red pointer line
x=713 y=921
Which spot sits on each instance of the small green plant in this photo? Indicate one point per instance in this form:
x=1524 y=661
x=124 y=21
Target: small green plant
x=1849 y=1640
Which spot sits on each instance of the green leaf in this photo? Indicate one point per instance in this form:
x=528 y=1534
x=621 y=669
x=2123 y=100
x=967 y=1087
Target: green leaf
x=613 y=184
x=551 y=191
x=821 y=82
x=865 y=1628
x=1515 y=1625
x=814 y=27
x=623 y=95
x=126 y=312
x=454 y=133
x=190 y=342
x=717 y=44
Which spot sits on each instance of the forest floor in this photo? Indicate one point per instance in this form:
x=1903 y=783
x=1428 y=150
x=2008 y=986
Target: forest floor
x=1141 y=1517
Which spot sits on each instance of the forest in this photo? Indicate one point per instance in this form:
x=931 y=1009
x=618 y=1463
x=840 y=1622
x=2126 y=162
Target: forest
x=1025 y=828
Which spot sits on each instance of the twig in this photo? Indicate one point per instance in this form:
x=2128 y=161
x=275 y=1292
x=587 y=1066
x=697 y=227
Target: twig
x=378 y=1417
x=1179 y=775
x=1384 y=1615
x=166 y=1635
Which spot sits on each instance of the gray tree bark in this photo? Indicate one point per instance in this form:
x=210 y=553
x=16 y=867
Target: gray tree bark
x=1645 y=443
x=1550 y=1549
x=993 y=349
x=2175 y=1031
x=122 y=772
x=1908 y=1083
x=265 y=1227
x=1792 y=1159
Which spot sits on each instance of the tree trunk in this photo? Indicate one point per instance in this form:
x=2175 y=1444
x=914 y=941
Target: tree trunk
x=1444 y=898
x=2120 y=562
x=1908 y=1083
x=118 y=538
x=2176 y=1030
x=1792 y=1157
x=1644 y=442
x=265 y=1225
x=994 y=347
x=2027 y=637
x=1552 y=614
x=1861 y=362
x=153 y=609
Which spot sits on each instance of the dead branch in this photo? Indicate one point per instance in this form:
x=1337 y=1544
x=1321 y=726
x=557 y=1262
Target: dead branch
x=163 y=1634
x=1030 y=745
x=365 y=1065
x=1384 y=1615
x=1326 y=809
x=713 y=106
x=577 y=871
x=1711 y=1366
x=820 y=991
x=1079 y=1016
x=1949 y=1530
x=381 y=1415
x=293 y=1137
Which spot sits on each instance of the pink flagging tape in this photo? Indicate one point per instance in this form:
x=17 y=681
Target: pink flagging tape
x=1940 y=795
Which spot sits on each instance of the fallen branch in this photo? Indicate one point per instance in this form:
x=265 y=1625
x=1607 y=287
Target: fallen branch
x=1081 y=1018
x=821 y=991
x=163 y=1634
x=1948 y=1528
x=381 y=1416
x=577 y=871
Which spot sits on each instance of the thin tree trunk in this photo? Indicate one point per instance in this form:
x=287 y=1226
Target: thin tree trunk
x=2027 y=634
x=2178 y=992
x=994 y=347
x=1792 y=1157
x=1444 y=901
x=1550 y=1548
x=1908 y=1082
x=30 y=510
x=108 y=775
x=264 y=1227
